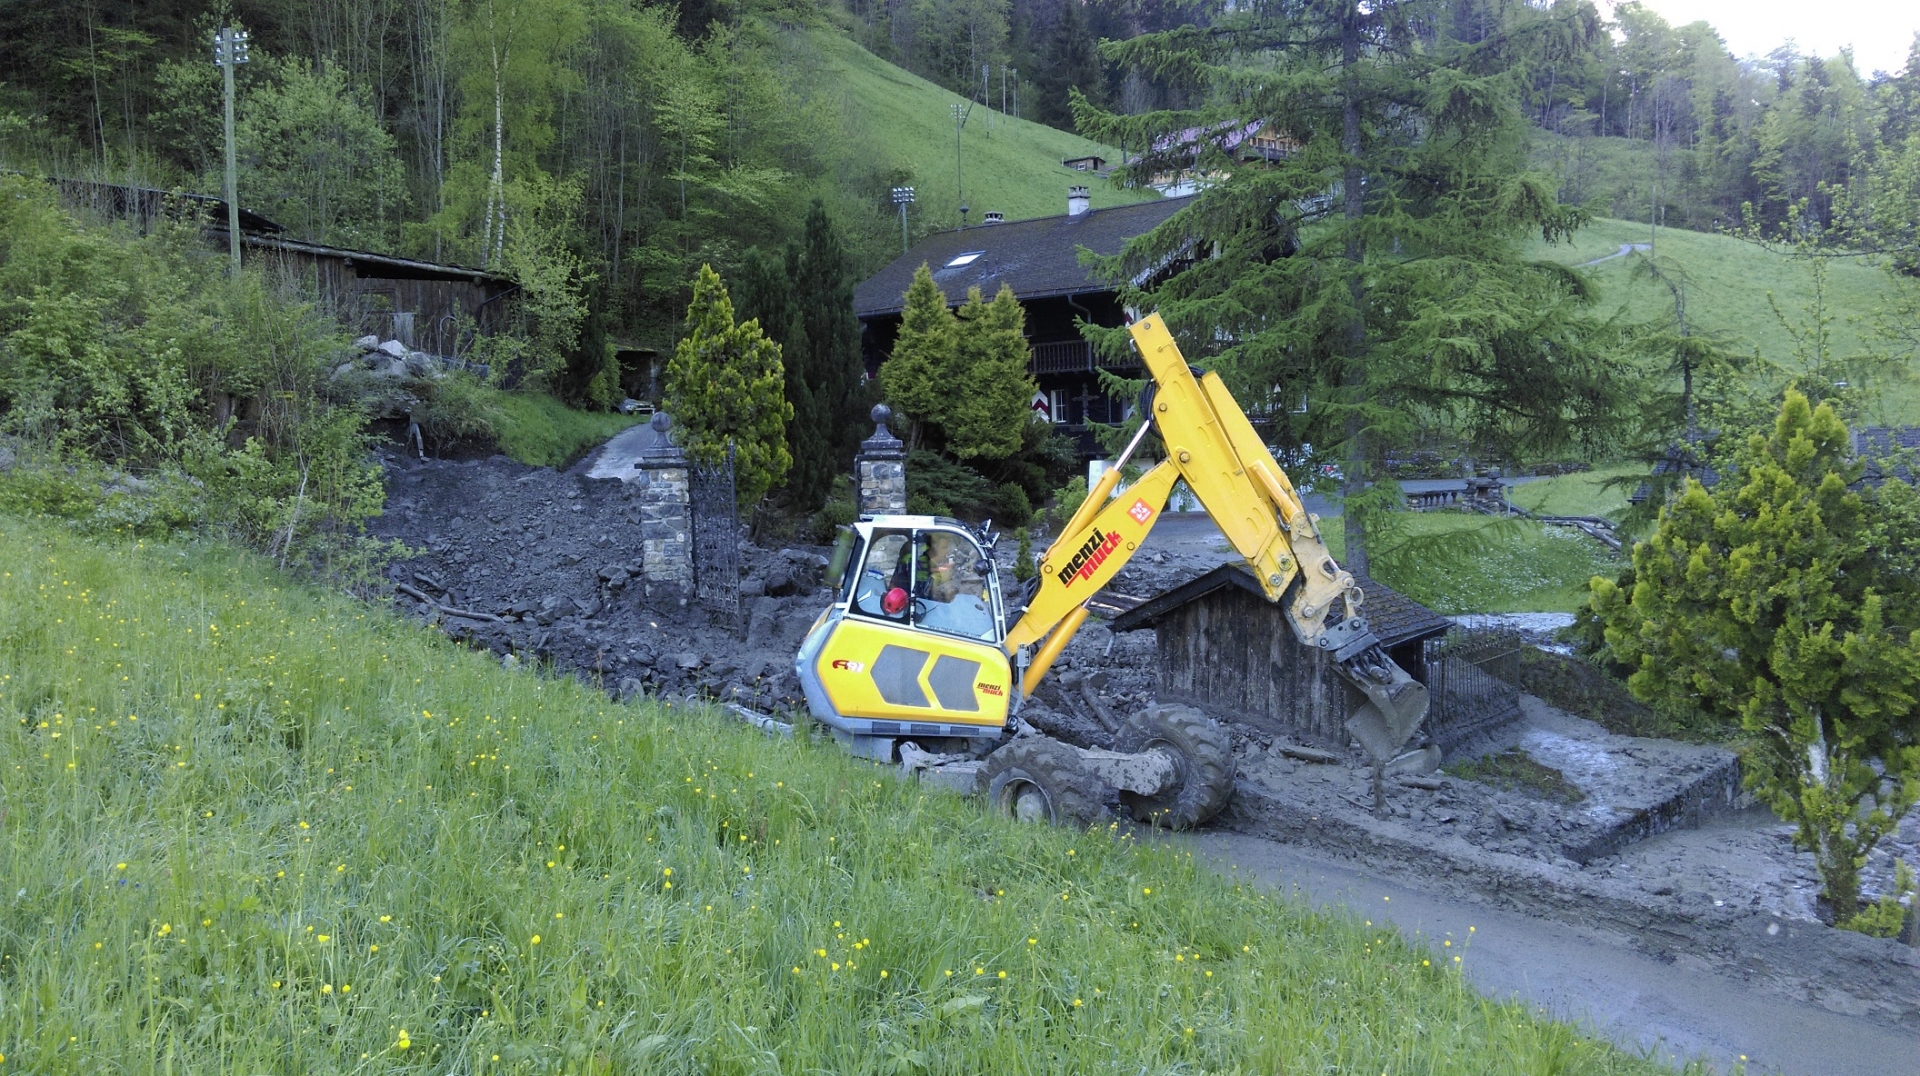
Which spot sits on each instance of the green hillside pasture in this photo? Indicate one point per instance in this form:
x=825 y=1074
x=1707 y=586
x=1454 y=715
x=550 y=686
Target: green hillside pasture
x=1732 y=280
x=256 y=828
x=1010 y=165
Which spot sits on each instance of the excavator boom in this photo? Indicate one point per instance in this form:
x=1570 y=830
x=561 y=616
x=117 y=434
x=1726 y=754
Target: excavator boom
x=1214 y=449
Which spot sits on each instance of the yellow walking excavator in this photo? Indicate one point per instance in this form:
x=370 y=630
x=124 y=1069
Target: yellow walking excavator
x=915 y=661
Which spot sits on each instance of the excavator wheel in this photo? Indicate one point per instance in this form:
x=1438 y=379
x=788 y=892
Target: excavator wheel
x=1041 y=780
x=1203 y=753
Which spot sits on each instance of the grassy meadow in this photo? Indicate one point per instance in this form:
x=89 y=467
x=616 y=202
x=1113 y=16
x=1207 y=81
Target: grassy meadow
x=1732 y=283
x=1584 y=493
x=539 y=430
x=1010 y=165
x=250 y=827
x=1462 y=562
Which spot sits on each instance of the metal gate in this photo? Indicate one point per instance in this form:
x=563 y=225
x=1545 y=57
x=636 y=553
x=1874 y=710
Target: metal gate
x=716 y=541
x=1470 y=678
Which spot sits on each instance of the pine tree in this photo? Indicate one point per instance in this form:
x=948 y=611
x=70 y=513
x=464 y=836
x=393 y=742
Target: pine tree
x=1069 y=61
x=725 y=383
x=918 y=377
x=804 y=302
x=985 y=419
x=1784 y=599
x=1376 y=270
x=825 y=274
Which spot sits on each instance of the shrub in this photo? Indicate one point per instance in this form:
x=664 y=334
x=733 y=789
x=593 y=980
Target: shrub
x=841 y=509
x=457 y=410
x=1066 y=501
x=137 y=352
x=1783 y=599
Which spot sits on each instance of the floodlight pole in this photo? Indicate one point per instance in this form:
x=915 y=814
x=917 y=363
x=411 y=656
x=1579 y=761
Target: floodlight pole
x=903 y=197
x=229 y=49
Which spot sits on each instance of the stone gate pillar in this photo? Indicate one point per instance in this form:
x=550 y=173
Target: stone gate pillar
x=880 y=470
x=666 y=515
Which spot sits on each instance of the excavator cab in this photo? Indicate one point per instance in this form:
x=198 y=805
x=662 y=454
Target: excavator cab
x=910 y=648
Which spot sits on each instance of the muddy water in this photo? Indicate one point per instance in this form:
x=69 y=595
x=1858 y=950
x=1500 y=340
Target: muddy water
x=1676 y=1011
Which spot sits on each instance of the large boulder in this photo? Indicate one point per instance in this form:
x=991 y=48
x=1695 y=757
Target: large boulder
x=395 y=348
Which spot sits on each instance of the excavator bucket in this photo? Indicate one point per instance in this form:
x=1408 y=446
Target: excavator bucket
x=1389 y=717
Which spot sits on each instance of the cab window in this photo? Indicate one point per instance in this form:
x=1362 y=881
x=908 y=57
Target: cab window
x=885 y=581
x=951 y=585
x=936 y=580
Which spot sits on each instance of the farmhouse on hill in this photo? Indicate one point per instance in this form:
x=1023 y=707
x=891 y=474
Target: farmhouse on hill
x=1040 y=260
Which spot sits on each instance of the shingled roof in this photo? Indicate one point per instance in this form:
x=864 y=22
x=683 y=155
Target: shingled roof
x=1037 y=258
x=1394 y=617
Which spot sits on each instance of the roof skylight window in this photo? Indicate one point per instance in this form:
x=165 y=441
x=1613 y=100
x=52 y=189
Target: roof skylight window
x=963 y=259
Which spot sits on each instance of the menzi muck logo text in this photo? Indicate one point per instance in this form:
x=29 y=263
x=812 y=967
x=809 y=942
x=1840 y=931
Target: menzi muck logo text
x=1089 y=557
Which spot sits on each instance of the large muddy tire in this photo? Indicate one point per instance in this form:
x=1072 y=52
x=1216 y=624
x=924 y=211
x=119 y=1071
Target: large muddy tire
x=1037 y=779
x=1203 y=756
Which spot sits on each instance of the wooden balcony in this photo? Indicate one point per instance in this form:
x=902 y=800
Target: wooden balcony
x=1072 y=357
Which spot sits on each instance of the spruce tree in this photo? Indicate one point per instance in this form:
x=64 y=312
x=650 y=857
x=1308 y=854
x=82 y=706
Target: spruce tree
x=1785 y=600
x=725 y=383
x=985 y=418
x=829 y=333
x=1068 y=61
x=919 y=376
x=804 y=301
x=1374 y=266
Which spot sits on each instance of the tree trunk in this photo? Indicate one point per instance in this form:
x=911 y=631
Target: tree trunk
x=1354 y=195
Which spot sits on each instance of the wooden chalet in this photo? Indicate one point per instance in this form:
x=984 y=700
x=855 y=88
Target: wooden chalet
x=1040 y=260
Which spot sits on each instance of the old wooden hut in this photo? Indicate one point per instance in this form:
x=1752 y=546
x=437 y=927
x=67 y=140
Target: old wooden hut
x=1226 y=649
x=432 y=306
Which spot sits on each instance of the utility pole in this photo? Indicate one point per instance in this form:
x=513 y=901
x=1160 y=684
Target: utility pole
x=903 y=197
x=1016 y=91
x=229 y=50
x=1003 y=89
x=959 y=185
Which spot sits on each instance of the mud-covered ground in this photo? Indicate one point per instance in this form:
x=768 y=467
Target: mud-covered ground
x=539 y=566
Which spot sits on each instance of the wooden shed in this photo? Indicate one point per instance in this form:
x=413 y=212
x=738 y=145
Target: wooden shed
x=1226 y=649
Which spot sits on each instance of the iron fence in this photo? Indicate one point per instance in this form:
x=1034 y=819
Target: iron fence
x=1470 y=680
x=716 y=541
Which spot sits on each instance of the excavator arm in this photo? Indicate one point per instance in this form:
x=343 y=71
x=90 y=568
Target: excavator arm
x=1211 y=445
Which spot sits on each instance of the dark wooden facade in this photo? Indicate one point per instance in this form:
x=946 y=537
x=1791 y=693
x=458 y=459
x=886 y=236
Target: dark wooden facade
x=429 y=306
x=1226 y=649
x=1040 y=260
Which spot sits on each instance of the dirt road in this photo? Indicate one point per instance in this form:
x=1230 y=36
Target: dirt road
x=1673 y=1011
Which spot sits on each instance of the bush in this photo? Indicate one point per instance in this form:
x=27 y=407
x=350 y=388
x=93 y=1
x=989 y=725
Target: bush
x=1010 y=506
x=126 y=352
x=1066 y=501
x=937 y=486
x=458 y=411
x=840 y=510
x=1884 y=917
